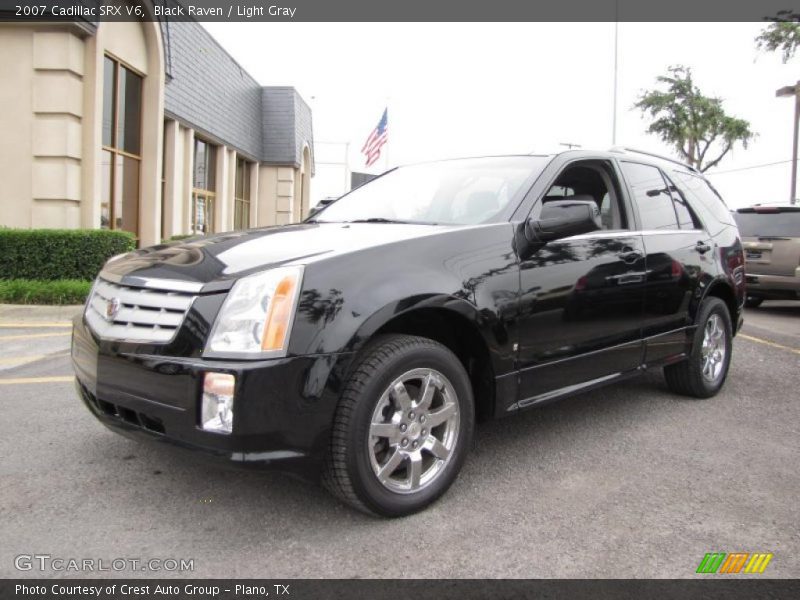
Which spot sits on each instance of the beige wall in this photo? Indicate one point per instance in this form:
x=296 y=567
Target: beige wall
x=41 y=110
x=50 y=147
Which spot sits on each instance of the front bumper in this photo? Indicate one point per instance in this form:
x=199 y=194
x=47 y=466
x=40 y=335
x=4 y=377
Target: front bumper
x=283 y=408
x=776 y=287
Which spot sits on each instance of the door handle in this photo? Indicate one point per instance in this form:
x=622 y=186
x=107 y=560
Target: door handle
x=702 y=247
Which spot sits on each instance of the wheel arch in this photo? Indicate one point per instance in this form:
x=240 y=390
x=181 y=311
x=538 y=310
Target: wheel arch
x=454 y=324
x=720 y=288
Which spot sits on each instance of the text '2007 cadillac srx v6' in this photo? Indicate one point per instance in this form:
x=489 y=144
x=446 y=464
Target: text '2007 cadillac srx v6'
x=360 y=347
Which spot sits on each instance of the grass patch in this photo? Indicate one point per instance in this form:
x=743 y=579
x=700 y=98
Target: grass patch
x=35 y=291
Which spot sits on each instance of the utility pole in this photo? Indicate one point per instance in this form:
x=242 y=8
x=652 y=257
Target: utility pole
x=793 y=90
x=616 y=54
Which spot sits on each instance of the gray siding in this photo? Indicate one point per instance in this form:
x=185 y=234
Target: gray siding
x=212 y=93
x=277 y=126
x=303 y=129
x=286 y=126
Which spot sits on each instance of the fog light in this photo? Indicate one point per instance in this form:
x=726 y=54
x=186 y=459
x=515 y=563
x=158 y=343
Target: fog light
x=217 y=410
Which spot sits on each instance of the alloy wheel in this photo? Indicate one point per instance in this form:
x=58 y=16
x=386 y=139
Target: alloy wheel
x=413 y=431
x=714 y=349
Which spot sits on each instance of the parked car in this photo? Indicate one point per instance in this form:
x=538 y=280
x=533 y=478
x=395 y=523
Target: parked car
x=360 y=347
x=771 y=239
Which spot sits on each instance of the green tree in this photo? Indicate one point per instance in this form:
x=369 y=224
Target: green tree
x=695 y=125
x=782 y=34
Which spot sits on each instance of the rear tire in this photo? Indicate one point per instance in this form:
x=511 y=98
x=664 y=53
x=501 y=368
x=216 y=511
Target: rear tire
x=402 y=428
x=703 y=373
x=753 y=301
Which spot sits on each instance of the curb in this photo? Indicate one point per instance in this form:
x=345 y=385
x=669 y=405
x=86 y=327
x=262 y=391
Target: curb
x=29 y=315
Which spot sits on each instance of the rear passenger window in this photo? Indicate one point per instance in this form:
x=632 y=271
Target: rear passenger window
x=651 y=196
x=686 y=217
x=699 y=190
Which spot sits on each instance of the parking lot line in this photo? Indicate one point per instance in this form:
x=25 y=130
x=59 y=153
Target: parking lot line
x=33 y=335
x=24 y=380
x=768 y=343
x=35 y=325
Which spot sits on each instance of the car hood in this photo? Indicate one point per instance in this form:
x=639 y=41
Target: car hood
x=215 y=262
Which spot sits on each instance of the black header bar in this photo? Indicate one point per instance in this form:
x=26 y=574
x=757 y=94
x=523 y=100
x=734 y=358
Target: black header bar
x=93 y=11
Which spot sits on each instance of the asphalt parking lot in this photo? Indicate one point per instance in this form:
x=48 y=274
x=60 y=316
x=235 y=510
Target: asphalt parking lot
x=629 y=481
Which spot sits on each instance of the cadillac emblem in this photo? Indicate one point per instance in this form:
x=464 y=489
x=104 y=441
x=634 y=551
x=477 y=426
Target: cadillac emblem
x=112 y=308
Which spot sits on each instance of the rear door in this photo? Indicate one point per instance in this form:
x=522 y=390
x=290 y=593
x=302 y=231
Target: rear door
x=678 y=251
x=771 y=239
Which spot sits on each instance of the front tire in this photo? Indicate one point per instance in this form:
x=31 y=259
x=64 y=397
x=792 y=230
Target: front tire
x=703 y=373
x=402 y=428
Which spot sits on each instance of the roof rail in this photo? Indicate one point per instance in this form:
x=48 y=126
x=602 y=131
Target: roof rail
x=654 y=155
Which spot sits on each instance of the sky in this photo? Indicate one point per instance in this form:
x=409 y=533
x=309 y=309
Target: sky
x=469 y=89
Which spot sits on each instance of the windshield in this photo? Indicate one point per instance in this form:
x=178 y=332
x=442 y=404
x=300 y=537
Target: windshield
x=768 y=224
x=462 y=192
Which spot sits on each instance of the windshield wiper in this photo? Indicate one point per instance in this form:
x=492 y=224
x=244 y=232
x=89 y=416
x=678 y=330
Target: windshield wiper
x=384 y=220
x=376 y=220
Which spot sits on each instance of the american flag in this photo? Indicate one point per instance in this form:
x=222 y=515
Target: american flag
x=376 y=139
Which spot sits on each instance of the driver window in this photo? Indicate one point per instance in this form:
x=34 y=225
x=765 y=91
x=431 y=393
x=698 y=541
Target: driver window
x=594 y=181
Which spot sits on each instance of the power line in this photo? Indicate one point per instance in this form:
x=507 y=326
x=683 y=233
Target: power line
x=772 y=164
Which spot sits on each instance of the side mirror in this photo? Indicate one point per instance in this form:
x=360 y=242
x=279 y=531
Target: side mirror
x=314 y=210
x=319 y=206
x=563 y=218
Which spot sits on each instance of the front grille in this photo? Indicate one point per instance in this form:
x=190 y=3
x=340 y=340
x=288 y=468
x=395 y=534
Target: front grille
x=120 y=312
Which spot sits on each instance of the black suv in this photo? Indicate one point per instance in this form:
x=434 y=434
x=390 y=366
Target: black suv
x=360 y=346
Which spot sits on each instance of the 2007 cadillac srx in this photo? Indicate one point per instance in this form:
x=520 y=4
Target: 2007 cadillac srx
x=360 y=346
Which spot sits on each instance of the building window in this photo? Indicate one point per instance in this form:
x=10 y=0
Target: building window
x=204 y=186
x=241 y=202
x=121 y=140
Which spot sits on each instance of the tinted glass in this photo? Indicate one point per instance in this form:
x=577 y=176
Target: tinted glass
x=651 y=196
x=129 y=111
x=698 y=189
x=109 y=91
x=241 y=215
x=105 y=189
x=204 y=165
x=777 y=224
x=462 y=192
x=686 y=217
x=242 y=180
x=202 y=214
x=126 y=194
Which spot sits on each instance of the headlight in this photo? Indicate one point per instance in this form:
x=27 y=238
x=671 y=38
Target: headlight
x=257 y=314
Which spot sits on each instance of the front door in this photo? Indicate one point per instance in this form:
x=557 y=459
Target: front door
x=582 y=297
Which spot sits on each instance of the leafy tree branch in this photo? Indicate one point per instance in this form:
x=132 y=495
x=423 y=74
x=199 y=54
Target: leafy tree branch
x=696 y=126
